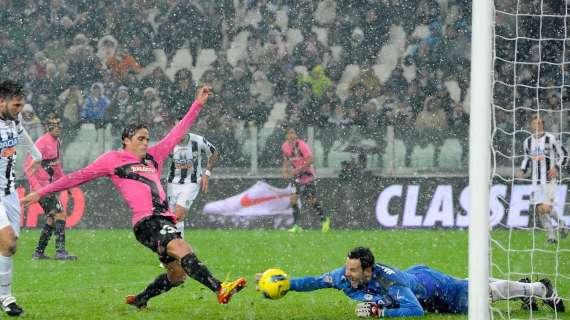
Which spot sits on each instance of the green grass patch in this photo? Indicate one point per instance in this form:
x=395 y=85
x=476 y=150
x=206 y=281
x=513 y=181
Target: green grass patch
x=113 y=264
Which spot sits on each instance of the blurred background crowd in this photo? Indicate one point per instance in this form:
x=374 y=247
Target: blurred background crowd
x=385 y=82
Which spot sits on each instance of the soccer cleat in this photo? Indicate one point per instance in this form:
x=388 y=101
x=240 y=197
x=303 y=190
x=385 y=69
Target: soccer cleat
x=132 y=300
x=40 y=256
x=326 y=225
x=9 y=306
x=528 y=303
x=551 y=299
x=552 y=240
x=295 y=229
x=228 y=289
x=64 y=255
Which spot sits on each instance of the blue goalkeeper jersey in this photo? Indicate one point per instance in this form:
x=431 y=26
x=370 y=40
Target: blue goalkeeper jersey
x=403 y=293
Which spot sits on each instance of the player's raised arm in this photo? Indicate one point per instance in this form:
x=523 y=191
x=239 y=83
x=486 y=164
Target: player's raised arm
x=99 y=168
x=162 y=149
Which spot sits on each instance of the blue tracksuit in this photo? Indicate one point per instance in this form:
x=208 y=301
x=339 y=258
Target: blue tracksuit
x=404 y=293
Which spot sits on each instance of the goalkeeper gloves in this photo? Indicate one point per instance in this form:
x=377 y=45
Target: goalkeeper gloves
x=369 y=310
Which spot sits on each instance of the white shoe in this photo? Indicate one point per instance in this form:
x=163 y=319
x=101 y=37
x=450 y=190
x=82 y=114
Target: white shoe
x=8 y=304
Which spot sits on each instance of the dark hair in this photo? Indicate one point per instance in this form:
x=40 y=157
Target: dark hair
x=9 y=89
x=364 y=255
x=52 y=116
x=130 y=130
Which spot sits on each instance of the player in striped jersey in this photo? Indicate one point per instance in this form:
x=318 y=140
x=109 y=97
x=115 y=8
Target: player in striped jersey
x=544 y=156
x=11 y=129
x=186 y=177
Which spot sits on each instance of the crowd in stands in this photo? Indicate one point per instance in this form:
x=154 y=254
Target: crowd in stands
x=88 y=61
x=530 y=72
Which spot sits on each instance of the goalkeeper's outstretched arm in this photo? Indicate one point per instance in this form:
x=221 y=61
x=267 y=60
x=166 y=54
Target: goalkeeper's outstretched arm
x=327 y=280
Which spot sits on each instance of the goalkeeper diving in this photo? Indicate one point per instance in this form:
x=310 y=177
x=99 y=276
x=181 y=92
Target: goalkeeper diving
x=384 y=291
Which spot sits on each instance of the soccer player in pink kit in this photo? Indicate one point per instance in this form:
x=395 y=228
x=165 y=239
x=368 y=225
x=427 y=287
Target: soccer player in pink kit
x=135 y=172
x=298 y=168
x=49 y=171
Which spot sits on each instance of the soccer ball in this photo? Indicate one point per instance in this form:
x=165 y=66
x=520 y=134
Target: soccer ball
x=274 y=283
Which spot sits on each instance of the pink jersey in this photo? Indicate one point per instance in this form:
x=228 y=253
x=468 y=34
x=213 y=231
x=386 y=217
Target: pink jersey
x=297 y=154
x=138 y=181
x=50 y=169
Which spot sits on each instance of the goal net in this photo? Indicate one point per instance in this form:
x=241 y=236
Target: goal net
x=530 y=78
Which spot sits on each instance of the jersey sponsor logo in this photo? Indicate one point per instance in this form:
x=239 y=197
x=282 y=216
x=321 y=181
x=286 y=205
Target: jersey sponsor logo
x=183 y=164
x=8 y=143
x=247 y=201
x=387 y=270
x=141 y=168
x=8 y=152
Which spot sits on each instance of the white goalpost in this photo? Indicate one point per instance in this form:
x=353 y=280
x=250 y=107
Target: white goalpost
x=520 y=57
x=480 y=158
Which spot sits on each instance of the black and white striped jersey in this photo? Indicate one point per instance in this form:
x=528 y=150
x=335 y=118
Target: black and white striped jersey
x=186 y=166
x=12 y=132
x=541 y=153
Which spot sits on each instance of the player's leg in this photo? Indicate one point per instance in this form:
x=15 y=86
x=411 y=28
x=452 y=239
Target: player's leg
x=525 y=290
x=9 y=232
x=185 y=198
x=561 y=223
x=550 y=199
x=198 y=271
x=160 y=235
x=294 y=199
x=174 y=276
x=544 y=216
x=45 y=236
x=310 y=191
x=60 y=251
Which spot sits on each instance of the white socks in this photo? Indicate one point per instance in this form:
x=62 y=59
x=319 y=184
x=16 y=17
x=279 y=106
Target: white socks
x=547 y=224
x=5 y=276
x=180 y=227
x=505 y=290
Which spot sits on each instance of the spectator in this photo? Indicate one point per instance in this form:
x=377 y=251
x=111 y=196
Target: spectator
x=458 y=125
x=355 y=52
x=183 y=91
x=148 y=108
x=120 y=111
x=237 y=89
x=255 y=110
x=375 y=33
x=71 y=100
x=31 y=122
x=122 y=64
x=107 y=48
x=94 y=109
x=308 y=53
x=318 y=81
x=325 y=125
x=368 y=79
x=430 y=125
x=261 y=87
